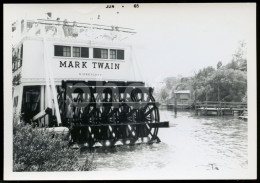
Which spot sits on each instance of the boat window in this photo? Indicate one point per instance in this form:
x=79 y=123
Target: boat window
x=100 y=53
x=104 y=53
x=64 y=51
x=80 y=52
x=76 y=51
x=58 y=50
x=112 y=54
x=117 y=54
x=120 y=54
x=84 y=52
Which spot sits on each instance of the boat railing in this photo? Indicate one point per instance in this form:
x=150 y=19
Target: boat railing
x=66 y=29
x=85 y=25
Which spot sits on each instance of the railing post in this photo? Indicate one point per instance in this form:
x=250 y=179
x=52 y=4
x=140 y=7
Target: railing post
x=195 y=106
x=175 y=105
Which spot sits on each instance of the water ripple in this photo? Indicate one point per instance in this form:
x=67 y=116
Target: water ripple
x=191 y=142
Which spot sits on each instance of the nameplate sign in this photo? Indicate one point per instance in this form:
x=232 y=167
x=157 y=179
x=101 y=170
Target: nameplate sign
x=90 y=65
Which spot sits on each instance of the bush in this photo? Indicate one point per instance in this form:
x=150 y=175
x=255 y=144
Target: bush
x=36 y=149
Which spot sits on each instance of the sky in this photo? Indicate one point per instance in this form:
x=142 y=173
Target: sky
x=172 y=39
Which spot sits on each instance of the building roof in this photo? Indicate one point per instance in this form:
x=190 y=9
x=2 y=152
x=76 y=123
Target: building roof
x=182 y=91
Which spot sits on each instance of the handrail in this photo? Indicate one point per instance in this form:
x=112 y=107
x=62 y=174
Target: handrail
x=98 y=26
x=221 y=104
x=83 y=23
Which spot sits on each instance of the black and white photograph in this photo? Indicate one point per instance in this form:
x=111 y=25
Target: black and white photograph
x=134 y=91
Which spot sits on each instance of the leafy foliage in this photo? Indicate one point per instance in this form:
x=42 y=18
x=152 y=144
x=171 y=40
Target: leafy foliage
x=164 y=94
x=36 y=149
x=229 y=84
x=225 y=83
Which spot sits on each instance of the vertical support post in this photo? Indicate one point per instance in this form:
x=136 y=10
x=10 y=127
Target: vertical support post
x=42 y=103
x=47 y=78
x=219 y=100
x=195 y=102
x=220 y=109
x=175 y=104
x=206 y=99
x=42 y=98
x=47 y=88
x=50 y=74
x=19 y=103
x=196 y=107
x=65 y=104
x=46 y=101
x=218 y=94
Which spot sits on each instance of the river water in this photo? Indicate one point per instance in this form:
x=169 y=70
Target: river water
x=191 y=143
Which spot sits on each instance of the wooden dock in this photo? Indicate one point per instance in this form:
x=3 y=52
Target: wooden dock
x=243 y=116
x=221 y=108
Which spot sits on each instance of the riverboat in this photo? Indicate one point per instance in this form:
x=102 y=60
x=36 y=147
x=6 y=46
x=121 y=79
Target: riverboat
x=82 y=78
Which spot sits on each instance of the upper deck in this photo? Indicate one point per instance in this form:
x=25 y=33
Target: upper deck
x=73 y=50
x=68 y=31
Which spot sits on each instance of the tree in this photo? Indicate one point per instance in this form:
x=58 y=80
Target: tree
x=227 y=83
x=164 y=94
x=200 y=83
x=219 y=65
x=239 y=61
x=171 y=82
x=231 y=84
